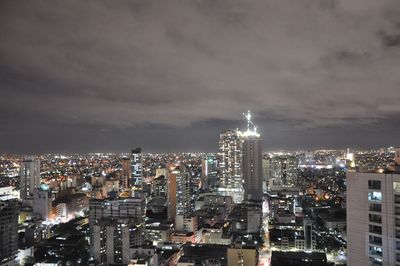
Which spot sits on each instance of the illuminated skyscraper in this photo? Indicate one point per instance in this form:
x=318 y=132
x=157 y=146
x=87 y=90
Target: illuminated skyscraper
x=136 y=168
x=230 y=164
x=29 y=178
x=252 y=162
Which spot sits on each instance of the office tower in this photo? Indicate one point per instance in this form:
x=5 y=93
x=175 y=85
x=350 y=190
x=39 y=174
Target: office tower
x=136 y=168
x=373 y=218
x=230 y=164
x=252 y=162
x=29 y=178
x=8 y=229
x=115 y=226
x=42 y=203
x=126 y=172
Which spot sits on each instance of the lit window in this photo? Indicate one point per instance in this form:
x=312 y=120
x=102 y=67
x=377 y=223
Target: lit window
x=396 y=187
x=377 y=196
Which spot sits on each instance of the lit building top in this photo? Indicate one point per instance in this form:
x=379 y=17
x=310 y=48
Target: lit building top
x=250 y=132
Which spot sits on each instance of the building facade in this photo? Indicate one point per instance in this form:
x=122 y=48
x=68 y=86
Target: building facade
x=8 y=230
x=29 y=178
x=115 y=226
x=136 y=168
x=373 y=218
x=230 y=164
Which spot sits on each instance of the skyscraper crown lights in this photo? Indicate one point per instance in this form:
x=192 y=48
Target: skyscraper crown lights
x=251 y=127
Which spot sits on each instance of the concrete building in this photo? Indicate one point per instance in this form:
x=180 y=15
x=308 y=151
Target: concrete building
x=115 y=226
x=29 y=178
x=42 y=203
x=242 y=256
x=8 y=230
x=373 y=218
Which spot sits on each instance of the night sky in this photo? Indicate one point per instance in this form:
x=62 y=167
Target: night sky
x=95 y=76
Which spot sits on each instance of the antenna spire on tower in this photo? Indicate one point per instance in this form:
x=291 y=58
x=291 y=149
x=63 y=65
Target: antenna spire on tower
x=250 y=122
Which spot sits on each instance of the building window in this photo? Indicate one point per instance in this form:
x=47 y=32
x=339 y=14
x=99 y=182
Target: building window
x=375 y=218
x=396 y=187
x=375 y=240
x=375 y=207
x=375 y=196
x=377 y=251
x=375 y=229
x=375 y=261
x=374 y=184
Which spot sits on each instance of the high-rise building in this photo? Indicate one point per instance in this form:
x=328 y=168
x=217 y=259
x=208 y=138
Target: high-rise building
x=29 y=178
x=126 y=172
x=252 y=162
x=8 y=229
x=230 y=164
x=171 y=196
x=180 y=204
x=115 y=226
x=281 y=168
x=308 y=234
x=136 y=168
x=373 y=218
x=42 y=203
x=183 y=199
x=209 y=173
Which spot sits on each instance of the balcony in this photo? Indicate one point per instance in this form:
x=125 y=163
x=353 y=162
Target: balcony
x=375 y=207
x=397 y=199
x=375 y=218
x=374 y=229
x=375 y=240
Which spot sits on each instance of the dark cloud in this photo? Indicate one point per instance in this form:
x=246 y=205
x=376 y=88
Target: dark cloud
x=95 y=75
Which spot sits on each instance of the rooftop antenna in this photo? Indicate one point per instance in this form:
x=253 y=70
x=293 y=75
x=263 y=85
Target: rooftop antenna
x=249 y=122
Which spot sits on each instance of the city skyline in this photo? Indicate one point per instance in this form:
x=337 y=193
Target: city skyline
x=171 y=76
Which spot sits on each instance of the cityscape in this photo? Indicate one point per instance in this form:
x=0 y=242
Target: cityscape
x=239 y=206
x=199 y=133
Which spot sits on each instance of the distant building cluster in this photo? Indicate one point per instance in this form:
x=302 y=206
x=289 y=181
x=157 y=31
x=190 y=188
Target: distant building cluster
x=238 y=206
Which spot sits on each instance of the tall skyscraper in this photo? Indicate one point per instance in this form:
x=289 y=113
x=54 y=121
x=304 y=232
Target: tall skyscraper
x=373 y=218
x=171 y=196
x=180 y=205
x=115 y=227
x=230 y=164
x=252 y=162
x=183 y=199
x=8 y=229
x=126 y=172
x=29 y=178
x=136 y=168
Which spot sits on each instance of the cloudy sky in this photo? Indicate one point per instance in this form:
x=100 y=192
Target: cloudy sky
x=82 y=76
